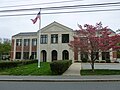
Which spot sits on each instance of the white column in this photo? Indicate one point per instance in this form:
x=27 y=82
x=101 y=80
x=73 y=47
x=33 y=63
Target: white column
x=60 y=52
x=49 y=49
x=72 y=52
x=60 y=46
x=30 y=51
x=79 y=57
x=111 y=56
x=71 y=56
x=115 y=57
x=22 y=49
x=49 y=56
x=14 y=53
x=100 y=56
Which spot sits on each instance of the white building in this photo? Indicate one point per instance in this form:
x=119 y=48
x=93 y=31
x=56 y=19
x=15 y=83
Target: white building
x=53 y=43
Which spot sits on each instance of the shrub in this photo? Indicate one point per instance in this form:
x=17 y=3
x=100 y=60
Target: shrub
x=11 y=64
x=60 y=66
x=25 y=62
x=108 y=61
x=116 y=61
x=84 y=59
x=78 y=61
x=97 y=61
x=8 y=64
x=102 y=61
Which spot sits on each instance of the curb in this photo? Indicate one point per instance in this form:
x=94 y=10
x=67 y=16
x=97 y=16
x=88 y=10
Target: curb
x=60 y=80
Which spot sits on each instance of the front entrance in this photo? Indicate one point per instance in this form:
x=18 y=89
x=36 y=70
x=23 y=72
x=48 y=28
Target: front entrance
x=54 y=55
x=44 y=55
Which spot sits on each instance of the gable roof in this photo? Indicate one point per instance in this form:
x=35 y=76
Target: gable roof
x=43 y=29
x=56 y=24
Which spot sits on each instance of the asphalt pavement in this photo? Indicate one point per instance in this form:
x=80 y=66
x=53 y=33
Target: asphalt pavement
x=59 y=85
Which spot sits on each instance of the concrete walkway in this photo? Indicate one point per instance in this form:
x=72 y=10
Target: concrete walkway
x=74 y=69
x=111 y=66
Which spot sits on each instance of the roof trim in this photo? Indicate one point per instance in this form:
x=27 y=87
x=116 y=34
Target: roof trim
x=25 y=34
x=56 y=24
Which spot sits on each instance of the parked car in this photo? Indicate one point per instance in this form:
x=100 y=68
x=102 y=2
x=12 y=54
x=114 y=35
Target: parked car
x=5 y=57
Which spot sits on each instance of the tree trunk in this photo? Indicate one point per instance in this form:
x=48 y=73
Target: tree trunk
x=92 y=65
x=92 y=59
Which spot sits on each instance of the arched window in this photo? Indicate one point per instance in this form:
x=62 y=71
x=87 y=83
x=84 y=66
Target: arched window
x=54 y=55
x=44 y=55
x=65 y=55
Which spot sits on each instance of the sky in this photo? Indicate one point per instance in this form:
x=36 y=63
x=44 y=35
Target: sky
x=10 y=26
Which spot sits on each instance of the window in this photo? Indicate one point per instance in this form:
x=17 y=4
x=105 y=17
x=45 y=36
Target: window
x=18 y=42
x=44 y=39
x=18 y=55
x=95 y=55
x=105 y=56
x=33 y=55
x=84 y=55
x=34 y=42
x=25 y=55
x=26 y=42
x=65 y=38
x=54 y=38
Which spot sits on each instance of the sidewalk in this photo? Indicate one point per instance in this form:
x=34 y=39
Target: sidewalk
x=105 y=78
x=74 y=69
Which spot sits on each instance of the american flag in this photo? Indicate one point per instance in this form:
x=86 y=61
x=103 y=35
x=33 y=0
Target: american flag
x=36 y=18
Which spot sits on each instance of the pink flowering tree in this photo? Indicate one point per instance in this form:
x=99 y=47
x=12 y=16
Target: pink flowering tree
x=94 y=39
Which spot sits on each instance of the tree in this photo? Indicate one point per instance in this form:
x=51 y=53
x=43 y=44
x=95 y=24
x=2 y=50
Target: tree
x=94 y=39
x=5 y=48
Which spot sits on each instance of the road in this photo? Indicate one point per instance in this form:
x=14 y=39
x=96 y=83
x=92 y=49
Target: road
x=59 y=85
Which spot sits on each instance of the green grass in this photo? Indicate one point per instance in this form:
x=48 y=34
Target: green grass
x=100 y=72
x=30 y=69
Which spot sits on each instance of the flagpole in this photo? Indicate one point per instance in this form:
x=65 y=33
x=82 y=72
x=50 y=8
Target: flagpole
x=39 y=34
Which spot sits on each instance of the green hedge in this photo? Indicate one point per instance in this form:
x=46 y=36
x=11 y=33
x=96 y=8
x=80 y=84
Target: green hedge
x=84 y=60
x=108 y=61
x=60 y=66
x=10 y=64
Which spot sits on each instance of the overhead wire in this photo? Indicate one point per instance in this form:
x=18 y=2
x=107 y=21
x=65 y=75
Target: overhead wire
x=64 y=7
x=42 y=3
x=84 y=11
x=67 y=7
x=10 y=1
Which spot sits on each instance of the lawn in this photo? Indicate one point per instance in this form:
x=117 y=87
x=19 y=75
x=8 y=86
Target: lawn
x=30 y=69
x=100 y=72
